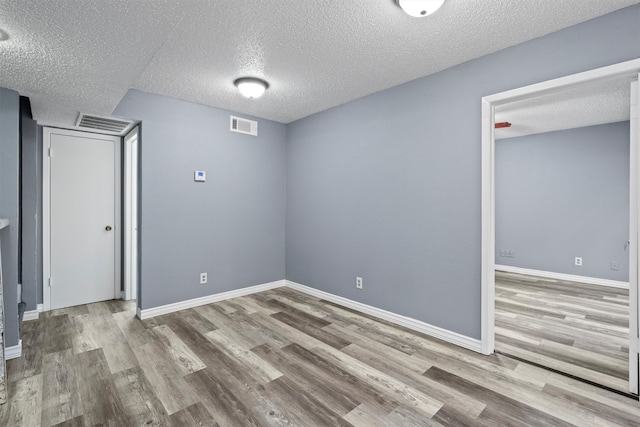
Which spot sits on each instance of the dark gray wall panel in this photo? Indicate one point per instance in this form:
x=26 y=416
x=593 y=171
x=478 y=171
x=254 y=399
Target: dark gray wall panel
x=39 y=213
x=29 y=213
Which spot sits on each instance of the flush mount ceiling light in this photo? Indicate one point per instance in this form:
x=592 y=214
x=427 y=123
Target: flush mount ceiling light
x=419 y=8
x=251 y=87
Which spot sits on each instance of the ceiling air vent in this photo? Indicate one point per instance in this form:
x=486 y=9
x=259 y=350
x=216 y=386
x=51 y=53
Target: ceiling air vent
x=249 y=127
x=102 y=124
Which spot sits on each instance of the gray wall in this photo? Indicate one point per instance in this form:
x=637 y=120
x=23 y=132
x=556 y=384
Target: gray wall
x=565 y=194
x=387 y=187
x=31 y=182
x=9 y=181
x=232 y=226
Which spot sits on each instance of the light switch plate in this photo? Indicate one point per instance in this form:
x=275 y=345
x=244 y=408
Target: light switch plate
x=200 y=176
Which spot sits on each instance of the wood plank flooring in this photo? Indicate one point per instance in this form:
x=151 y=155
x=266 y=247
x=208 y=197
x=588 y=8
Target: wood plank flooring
x=277 y=358
x=576 y=328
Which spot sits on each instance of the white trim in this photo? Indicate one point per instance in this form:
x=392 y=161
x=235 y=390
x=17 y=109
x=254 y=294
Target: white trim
x=130 y=173
x=148 y=313
x=30 y=315
x=628 y=68
x=33 y=314
x=621 y=69
x=46 y=218
x=408 y=322
x=487 y=270
x=634 y=302
x=13 y=352
x=117 y=214
x=46 y=208
x=563 y=276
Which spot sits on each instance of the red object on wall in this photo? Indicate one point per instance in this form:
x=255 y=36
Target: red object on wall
x=503 y=125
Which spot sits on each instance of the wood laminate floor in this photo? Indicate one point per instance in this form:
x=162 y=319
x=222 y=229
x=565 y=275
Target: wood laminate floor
x=576 y=328
x=278 y=358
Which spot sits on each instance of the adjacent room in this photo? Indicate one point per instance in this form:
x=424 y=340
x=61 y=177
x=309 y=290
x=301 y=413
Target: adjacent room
x=562 y=227
x=367 y=213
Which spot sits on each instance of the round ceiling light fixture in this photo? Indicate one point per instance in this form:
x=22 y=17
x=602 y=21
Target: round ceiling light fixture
x=251 y=87
x=419 y=8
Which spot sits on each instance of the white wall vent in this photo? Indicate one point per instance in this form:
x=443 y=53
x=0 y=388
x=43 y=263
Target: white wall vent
x=108 y=125
x=249 y=127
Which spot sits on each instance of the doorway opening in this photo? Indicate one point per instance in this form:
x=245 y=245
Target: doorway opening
x=81 y=218
x=491 y=106
x=83 y=171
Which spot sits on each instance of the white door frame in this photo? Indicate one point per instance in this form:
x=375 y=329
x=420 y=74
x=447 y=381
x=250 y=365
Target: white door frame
x=46 y=208
x=130 y=214
x=634 y=232
x=629 y=68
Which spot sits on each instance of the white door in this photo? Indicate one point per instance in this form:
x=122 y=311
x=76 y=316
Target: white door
x=635 y=236
x=83 y=173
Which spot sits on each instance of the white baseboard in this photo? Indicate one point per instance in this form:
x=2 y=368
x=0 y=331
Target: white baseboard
x=408 y=322
x=30 y=315
x=33 y=314
x=562 y=276
x=13 y=352
x=416 y=325
x=183 y=305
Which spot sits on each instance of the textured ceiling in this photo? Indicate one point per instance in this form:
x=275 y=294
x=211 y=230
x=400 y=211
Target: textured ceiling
x=596 y=103
x=83 y=55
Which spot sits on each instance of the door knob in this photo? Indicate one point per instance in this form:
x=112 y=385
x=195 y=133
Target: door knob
x=108 y=228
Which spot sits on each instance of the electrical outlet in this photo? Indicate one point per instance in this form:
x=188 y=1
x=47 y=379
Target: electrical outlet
x=203 y=278
x=615 y=265
x=359 y=282
x=507 y=253
x=578 y=261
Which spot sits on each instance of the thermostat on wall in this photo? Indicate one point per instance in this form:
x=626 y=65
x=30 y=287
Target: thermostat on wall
x=200 y=176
